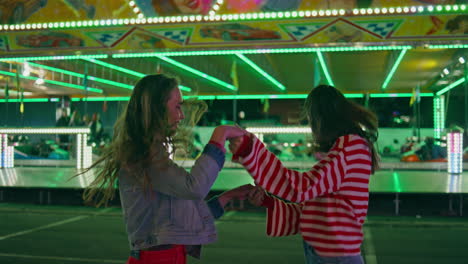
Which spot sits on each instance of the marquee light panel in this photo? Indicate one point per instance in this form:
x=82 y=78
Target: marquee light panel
x=437 y=9
x=68 y=57
x=455 y=152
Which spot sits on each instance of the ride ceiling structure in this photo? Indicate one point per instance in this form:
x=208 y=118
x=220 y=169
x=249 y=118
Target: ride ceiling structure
x=376 y=51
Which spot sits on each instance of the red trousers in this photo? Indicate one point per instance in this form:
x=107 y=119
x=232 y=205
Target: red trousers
x=175 y=255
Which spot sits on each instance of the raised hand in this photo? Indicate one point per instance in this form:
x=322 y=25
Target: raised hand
x=235 y=143
x=221 y=133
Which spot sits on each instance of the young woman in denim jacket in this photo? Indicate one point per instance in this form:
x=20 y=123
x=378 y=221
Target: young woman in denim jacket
x=165 y=213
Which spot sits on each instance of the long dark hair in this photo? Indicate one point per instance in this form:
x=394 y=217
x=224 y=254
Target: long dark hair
x=331 y=116
x=141 y=135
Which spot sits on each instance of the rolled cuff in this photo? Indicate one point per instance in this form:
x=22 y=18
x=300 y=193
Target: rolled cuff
x=215 y=207
x=216 y=153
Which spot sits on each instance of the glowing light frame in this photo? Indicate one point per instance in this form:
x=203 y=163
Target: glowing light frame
x=83 y=152
x=235 y=17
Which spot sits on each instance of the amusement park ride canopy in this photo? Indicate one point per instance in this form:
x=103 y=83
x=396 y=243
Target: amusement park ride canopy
x=380 y=51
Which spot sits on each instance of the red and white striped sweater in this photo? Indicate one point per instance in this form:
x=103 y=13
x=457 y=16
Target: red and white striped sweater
x=329 y=202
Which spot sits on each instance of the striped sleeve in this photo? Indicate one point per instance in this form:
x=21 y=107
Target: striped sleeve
x=268 y=171
x=283 y=218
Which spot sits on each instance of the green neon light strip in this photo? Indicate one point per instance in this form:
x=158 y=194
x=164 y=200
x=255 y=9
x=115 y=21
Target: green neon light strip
x=80 y=75
x=396 y=182
x=99 y=99
x=449 y=46
x=395 y=66
x=451 y=86
x=117 y=68
x=26 y=100
x=199 y=73
x=324 y=68
x=385 y=95
x=131 y=72
x=70 y=85
x=71 y=57
x=262 y=72
x=236 y=17
x=232 y=97
x=258 y=51
x=260 y=96
x=185 y=88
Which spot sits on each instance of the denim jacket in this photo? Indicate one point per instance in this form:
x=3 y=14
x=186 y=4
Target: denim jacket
x=175 y=211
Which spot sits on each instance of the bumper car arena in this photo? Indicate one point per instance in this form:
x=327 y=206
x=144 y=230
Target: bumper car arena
x=68 y=68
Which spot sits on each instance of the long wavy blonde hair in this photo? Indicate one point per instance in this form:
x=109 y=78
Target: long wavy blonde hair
x=141 y=135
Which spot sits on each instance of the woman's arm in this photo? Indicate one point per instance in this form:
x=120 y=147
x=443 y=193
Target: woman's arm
x=324 y=177
x=218 y=202
x=282 y=218
x=194 y=185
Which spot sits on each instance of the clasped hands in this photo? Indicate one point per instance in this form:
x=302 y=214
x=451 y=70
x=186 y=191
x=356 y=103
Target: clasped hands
x=254 y=194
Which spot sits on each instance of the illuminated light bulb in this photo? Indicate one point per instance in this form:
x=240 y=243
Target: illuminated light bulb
x=39 y=81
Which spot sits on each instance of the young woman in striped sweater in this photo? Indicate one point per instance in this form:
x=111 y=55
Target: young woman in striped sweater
x=328 y=204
